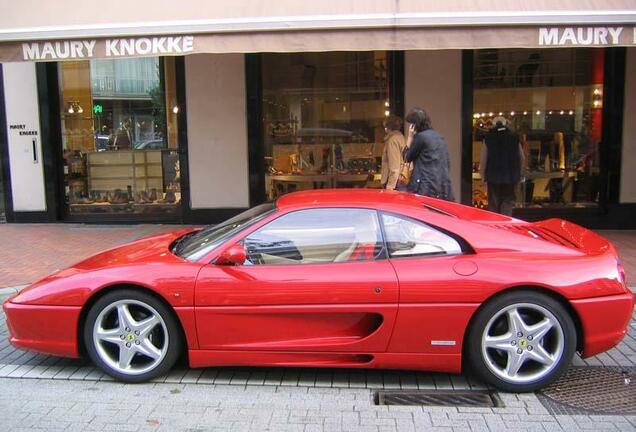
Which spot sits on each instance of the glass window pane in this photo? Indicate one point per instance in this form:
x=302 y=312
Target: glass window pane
x=322 y=119
x=196 y=245
x=407 y=237
x=119 y=131
x=552 y=100
x=316 y=236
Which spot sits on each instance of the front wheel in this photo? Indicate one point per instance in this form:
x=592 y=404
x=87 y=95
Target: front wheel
x=132 y=336
x=521 y=341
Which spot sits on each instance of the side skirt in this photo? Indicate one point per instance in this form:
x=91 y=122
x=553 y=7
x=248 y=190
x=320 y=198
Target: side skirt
x=411 y=361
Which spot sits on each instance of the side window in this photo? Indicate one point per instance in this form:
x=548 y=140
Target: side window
x=408 y=237
x=313 y=236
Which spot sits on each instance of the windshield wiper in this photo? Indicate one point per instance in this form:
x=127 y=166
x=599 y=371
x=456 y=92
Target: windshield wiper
x=176 y=248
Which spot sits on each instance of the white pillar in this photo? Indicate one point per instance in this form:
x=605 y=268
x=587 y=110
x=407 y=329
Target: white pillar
x=217 y=131
x=433 y=81
x=24 y=137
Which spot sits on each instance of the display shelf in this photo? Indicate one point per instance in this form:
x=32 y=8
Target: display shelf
x=120 y=169
x=124 y=164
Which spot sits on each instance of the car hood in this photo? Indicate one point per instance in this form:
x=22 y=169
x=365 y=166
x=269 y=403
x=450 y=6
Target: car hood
x=71 y=285
x=154 y=249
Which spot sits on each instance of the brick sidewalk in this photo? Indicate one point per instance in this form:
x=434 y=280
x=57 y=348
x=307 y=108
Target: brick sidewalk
x=31 y=251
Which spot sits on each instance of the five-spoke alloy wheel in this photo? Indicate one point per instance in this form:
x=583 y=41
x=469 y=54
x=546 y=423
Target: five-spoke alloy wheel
x=132 y=335
x=521 y=341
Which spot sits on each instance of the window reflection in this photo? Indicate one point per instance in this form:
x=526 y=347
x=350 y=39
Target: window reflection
x=119 y=134
x=322 y=119
x=553 y=100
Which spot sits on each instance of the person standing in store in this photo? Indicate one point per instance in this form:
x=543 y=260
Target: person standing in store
x=392 y=161
x=500 y=166
x=428 y=151
x=123 y=136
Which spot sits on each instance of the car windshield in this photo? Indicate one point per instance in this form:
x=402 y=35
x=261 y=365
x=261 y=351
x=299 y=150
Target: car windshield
x=195 y=245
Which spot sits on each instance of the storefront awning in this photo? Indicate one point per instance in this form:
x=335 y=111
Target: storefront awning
x=125 y=29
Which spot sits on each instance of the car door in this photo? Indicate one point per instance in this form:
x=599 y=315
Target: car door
x=437 y=275
x=314 y=280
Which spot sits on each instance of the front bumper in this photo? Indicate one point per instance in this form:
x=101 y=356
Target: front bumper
x=605 y=321
x=45 y=329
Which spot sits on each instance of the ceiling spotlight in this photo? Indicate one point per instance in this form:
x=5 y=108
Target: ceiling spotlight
x=550 y=112
x=538 y=112
x=175 y=109
x=512 y=113
x=525 y=113
x=570 y=112
x=490 y=114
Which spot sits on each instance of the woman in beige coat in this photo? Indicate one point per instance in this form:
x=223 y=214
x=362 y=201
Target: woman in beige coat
x=394 y=145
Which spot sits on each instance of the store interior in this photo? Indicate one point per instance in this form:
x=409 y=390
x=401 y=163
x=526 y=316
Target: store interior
x=322 y=119
x=553 y=100
x=119 y=134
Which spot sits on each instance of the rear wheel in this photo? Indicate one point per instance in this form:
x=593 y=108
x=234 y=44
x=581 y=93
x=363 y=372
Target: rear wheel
x=132 y=336
x=521 y=341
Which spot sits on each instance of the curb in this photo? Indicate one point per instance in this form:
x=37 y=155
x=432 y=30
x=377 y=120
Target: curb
x=9 y=291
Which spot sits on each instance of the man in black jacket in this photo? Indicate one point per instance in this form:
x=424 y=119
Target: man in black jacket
x=500 y=167
x=428 y=151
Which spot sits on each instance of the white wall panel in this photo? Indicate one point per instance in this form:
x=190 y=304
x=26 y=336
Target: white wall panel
x=217 y=130
x=24 y=138
x=433 y=81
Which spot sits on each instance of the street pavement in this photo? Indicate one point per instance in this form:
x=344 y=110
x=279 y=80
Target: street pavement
x=39 y=392
x=79 y=406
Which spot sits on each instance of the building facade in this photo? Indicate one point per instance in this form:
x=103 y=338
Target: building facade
x=194 y=120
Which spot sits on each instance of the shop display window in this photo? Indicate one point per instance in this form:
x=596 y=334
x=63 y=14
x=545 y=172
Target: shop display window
x=119 y=135
x=322 y=119
x=553 y=100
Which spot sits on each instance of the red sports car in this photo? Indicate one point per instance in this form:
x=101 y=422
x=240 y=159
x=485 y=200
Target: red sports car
x=340 y=278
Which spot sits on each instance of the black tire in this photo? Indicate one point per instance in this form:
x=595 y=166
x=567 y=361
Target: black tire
x=479 y=365
x=174 y=340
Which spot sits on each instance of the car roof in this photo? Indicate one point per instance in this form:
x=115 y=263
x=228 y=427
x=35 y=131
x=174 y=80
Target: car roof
x=355 y=197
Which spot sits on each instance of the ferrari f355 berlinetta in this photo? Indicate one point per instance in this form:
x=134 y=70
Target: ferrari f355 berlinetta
x=339 y=278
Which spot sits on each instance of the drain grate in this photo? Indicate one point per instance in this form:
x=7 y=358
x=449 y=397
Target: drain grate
x=598 y=390
x=438 y=398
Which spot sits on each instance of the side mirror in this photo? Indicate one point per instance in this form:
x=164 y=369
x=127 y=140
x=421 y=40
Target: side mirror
x=232 y=256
